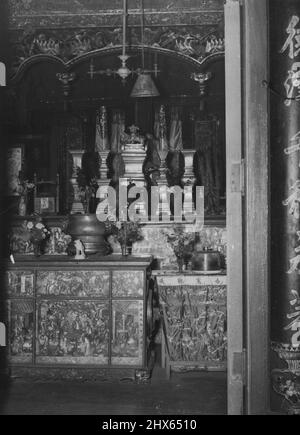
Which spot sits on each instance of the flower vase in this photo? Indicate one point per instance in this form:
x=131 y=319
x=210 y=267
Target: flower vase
x=37 y=251
x=22 y=209
x=180 y=262
x=126 y=249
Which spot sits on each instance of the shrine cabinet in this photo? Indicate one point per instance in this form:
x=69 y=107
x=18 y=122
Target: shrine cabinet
x=92 y=314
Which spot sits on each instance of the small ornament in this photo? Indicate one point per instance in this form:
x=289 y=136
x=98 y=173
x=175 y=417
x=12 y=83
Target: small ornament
x=58 y=242
x=163 y=129
x=80 y=254
x=101 y=130
x=22 y=206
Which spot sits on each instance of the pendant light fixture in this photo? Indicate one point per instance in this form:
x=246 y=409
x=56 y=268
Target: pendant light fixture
x=123 y=72
x=144 y=86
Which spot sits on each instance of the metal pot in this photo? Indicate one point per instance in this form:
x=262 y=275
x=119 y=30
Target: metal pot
x=206 y=261
x=90 y=231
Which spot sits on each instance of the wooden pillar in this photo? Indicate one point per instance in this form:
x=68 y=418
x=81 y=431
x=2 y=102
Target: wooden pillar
x=285 y=141
x=234 y=156
x=285 y=173
x=256 y=141
x=246 y=58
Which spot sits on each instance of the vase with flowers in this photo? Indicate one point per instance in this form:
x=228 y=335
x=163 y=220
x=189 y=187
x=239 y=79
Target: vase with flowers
x=126 y=234
x=182 y=244
x=23 y=190
x=38 y=234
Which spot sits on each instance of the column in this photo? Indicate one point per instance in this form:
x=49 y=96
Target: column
x=285 y=193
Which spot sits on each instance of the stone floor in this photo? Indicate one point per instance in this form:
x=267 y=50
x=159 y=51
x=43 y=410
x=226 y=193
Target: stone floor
x=193 y=393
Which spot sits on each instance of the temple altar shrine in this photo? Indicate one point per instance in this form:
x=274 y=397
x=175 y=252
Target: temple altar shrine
x=149 y=203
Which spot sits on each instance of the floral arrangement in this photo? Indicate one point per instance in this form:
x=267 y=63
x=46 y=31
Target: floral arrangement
x=182 y=244
x=29 y=237
x=37 y=230
x=125 y=232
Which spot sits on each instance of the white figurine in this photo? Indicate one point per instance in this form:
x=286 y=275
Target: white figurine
x=80 y=254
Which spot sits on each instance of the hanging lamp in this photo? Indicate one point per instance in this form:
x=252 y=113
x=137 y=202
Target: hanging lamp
x=144 y=86
x=123 y=72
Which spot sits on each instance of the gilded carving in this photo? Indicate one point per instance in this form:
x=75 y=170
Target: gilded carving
x=21 y=327
x=20 y=283
x=72 y=332
x=75 y=283
x=195 y=318
x=128 y=283
x=127 y=333
x=196 y=42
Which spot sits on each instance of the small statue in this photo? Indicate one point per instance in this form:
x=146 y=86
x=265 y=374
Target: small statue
x=114 y=244
x=133 y=140
x=58 y=242
x=134 y=134
x=101 y=143
x=152 y=162
x=80 y=254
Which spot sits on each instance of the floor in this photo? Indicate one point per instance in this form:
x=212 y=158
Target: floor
x=193 y=393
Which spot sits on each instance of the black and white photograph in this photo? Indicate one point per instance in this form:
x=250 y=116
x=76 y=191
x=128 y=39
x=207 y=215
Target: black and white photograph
x=149 y=210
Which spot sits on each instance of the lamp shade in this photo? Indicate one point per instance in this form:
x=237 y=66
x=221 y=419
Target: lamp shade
x=144 y=87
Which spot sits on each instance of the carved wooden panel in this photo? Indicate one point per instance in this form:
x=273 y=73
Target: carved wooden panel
x=68 y=316
x=21 y=331
x=72 y=332
x=196 y=323
x=128 y=283
x=20 y=283
x=73 y=284
x=29 y=7
x=128 y=332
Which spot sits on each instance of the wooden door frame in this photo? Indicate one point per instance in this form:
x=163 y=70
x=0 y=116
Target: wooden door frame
x=257 y=204
x=234 y=219
x=246 y=65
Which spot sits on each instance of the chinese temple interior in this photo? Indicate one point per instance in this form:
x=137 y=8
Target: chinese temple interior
x=168 y=313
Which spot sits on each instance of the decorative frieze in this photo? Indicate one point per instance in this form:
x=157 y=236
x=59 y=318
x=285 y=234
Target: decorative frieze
x=196 y=42
x=47 y=7
x=42 y=13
